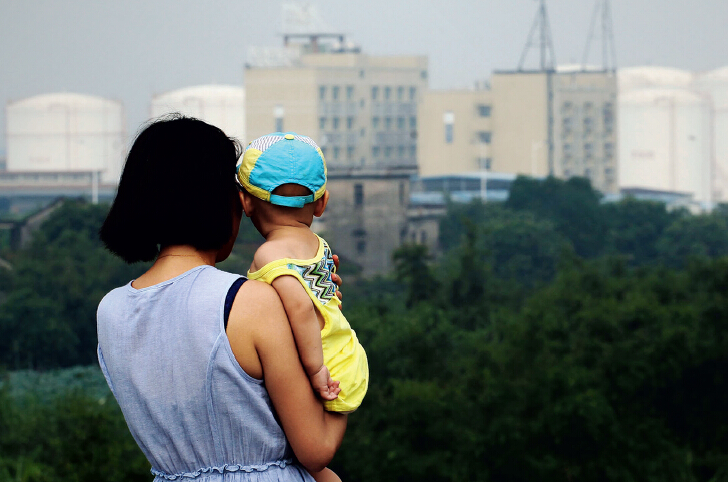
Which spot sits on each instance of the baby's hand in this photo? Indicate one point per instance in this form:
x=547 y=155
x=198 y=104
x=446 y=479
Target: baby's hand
x=324 y=386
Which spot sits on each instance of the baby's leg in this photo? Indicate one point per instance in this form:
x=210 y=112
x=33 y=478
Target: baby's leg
x=326 y=475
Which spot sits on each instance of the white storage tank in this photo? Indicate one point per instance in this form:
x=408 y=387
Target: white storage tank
x=633 y=78
x=64 y=132
x=665 y=141
x=220 y=105
x=715 y=85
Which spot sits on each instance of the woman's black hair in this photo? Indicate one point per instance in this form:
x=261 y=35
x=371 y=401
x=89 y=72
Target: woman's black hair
x=178 y=187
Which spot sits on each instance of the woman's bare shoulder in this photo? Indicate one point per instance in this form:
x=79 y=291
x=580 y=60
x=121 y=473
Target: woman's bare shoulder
x=256 y=317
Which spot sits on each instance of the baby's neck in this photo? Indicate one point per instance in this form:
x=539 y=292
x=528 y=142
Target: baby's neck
x=280 y=231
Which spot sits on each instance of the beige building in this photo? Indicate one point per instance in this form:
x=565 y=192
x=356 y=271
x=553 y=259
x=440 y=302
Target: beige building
x=455 y=132
x=536 y=123
x=560 y=123
x=363 y=112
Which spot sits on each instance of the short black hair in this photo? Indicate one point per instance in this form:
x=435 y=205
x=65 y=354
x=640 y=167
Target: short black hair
x=177 y=187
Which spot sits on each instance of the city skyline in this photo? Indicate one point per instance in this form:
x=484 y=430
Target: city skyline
x=131 y=51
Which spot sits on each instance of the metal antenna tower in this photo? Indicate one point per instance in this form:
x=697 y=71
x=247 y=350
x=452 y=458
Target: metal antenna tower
x=544 y=41
x=609 y=56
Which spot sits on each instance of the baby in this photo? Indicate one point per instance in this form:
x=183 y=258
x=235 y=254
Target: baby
x=283 y=181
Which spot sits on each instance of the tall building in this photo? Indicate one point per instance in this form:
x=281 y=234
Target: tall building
x=456 y=130
x=560 y=123
x=545 y=122
x=363 y=112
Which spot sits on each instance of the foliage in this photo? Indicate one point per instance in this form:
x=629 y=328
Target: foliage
x=60 y=434
x=554 y=338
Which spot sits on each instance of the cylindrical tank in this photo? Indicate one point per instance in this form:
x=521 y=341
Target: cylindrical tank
x=66 y=132
x=715 y=85
x=633 y=78
x=665 y=141
x=220 y=105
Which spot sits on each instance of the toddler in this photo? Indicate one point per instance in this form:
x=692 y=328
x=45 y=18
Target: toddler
x=283 y=181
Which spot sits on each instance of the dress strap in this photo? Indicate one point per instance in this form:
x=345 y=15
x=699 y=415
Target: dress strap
x=230 y=297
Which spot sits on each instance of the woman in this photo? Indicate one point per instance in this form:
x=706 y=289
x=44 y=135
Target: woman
x=208 y=379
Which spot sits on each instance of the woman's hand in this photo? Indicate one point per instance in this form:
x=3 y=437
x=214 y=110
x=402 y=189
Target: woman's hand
x=337 y=279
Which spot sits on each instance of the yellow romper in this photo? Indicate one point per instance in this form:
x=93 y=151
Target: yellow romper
x=343 y=354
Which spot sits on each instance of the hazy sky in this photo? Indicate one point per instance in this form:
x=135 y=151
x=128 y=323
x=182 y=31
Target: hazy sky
x=132 y=49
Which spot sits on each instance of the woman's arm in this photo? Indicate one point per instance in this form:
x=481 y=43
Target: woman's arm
x=263 y=344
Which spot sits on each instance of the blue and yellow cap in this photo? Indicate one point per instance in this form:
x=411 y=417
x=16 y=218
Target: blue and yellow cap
x=282 y=158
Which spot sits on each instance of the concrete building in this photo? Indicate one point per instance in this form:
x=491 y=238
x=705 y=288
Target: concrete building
x=64 y=132
x=363 y=112
x=671 y=133
x=361 y=109
x=714 y=86
x=220 y=105
x=560 y=123
x=61 y=144
x=537 y=123
x=455 y=131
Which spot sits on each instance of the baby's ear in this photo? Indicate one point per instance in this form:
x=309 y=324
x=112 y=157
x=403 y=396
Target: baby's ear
x=247 y=202
x=320 y=205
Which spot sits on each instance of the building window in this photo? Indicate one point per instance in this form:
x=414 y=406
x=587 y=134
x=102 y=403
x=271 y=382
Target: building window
x=337 y=151
x=387 y=123
x=448 y=133
x=375 y=151
x=413 y=123
x=608 y=150
x=400 y=93
x=350 y=153
x=401 y=193
x=449 y=119
x=400 y=123
x=484 y=163
x=423 y=237
x=423 y=74
x=566 y=124
x=375 y=92
x=375 y=123
x=412 y=93
x=400 y=151
x=349 y=92
x=324 y=151
x=335 y=92
x=484 y=137
x=483 y=110
x=358 y=194
x=387 y=152
x=350 y=122
x=335 y=123
x=322 y=123
x=413 y=150
x=362 y=132
x=387 y=93
x=608 y=114
x=588 y=125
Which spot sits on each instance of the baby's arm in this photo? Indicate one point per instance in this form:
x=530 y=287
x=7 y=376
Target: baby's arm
x=307 y=333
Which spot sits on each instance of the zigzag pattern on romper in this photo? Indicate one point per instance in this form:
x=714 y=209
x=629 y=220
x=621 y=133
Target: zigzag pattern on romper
x=318 y=277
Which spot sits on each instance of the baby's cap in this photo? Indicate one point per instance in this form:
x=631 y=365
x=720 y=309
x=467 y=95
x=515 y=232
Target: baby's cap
x=282 y=158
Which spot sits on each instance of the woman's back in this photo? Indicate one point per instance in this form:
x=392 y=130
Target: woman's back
x=189 y=405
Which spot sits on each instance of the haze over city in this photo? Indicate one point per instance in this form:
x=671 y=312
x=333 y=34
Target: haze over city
x=131 y=50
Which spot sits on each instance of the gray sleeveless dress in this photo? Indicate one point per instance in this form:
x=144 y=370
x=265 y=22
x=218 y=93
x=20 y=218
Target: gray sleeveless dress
x=194 y=412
